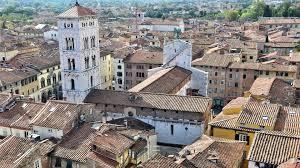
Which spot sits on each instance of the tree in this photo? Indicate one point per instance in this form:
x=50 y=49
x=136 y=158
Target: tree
x=231 y=15
x=267 y=11
x=297 y=48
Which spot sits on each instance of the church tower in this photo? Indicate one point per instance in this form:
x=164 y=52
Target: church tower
x=79 y=52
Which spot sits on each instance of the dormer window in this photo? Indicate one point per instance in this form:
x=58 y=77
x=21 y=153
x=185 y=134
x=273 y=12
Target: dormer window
x=265 y=117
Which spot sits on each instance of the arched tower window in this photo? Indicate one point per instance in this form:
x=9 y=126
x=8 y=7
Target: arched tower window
x=94 y=60
x=54 y=78
x=43 y=82
x=69 y=64
x=48 y=81
x=92 y=82
x=59 y=76
x=72 y=84
x=73 y=64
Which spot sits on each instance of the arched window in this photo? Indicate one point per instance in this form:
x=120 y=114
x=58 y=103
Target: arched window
x=92 y=84
x=69 y=64
x=42 y=82
x=48 y=81
x=130 y=114
x=86 y=61
x=72 y=84
x=54 y=78
x=59 y=76
x=94 y=60
x=73 y=64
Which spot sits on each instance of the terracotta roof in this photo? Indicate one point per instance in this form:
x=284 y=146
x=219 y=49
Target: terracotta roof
x=279 y=21
x=42 y=61
x=14 y=150
x=113 y=142
x=274 y=147
x=238 y=102
x=214 y=59
x=230 y=123
x=145 y=57
x=264 y=67
x=132 y=123
x=102 y=161
x=76 y=145
x=262 y=86
x=9 y=76
x=292 y=121
x=228 y=153
x=150 y=100
x=159 y=161
x=164 y=81
x=76 y=12
x=4 y=98
x=56 y=114
x=259 y=114
x=20 y=115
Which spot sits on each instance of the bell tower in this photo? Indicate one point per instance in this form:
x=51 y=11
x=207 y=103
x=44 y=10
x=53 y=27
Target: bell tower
x=79 y=52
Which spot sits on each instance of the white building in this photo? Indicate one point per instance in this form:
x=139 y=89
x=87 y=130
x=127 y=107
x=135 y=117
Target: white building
x=51 y=34
x=79 y=52
x=162 y=25
x=179 y=53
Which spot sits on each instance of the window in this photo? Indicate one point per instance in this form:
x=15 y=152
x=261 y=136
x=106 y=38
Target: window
x=73 y=64
x=267 y=72
x=48 y=81
x=37 y=164
x=119 y=74
x=216 y=73
x=72 y=84
x=236 y=84
x=120 y=81
x=128 y=66
x=139 y=67
x=69 y=164
x=69 y=43
x=58 y=162
x=244 y=76
x=94 y=60
x=242 y=137
x=93 y=43
x=85 y=42
x=230 y=75
x=119 y=67
x=59 y=76
x=50 y=130
x=92 y=84
x=86 y=62
x=251 y=57
x=172 y=129
x=54 y=78
x=26 y=134
x=42 y=82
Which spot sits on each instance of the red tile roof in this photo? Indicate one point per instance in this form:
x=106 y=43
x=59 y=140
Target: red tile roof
x=77 y=11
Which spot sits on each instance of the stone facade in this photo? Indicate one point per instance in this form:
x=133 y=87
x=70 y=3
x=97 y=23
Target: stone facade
x=79 y=55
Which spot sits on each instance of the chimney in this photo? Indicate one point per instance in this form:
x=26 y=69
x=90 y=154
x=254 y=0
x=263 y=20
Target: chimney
x=213 y=156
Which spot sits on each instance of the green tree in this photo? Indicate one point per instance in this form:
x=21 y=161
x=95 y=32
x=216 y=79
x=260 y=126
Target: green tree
x=267 y=11
x=231 y=15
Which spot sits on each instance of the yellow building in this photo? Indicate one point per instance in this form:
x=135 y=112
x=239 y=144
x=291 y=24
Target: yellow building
x=106 y=70
x=48 y=80
x=19 y=81
x=241 y=118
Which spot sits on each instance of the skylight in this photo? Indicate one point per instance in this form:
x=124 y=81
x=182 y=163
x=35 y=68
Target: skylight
x=52 y=109
x=265 y=117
